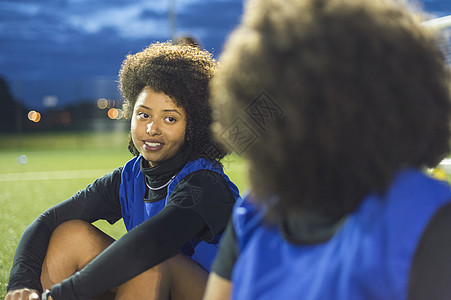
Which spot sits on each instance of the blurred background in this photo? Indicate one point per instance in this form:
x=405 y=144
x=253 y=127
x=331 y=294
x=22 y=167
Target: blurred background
x=59 y=59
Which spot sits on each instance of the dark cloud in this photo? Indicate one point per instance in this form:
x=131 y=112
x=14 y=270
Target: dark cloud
x=44 y=42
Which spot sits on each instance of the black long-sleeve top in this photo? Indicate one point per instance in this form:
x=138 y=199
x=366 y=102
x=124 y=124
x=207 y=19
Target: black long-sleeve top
x=139 y=249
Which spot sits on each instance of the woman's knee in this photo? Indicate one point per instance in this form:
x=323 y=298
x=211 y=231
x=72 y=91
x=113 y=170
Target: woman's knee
x=79 y=240
x=70 y=229
x=72 y=246
x=80 y=232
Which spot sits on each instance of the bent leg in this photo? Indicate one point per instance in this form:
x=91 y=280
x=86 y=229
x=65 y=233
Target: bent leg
x=72 y=246
x=177 y=278
x=188 y=278
x=75 y=243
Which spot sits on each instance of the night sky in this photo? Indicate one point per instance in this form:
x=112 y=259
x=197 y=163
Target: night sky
x=73 y=49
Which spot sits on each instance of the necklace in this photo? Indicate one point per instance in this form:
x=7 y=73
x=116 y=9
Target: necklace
x=160 y=187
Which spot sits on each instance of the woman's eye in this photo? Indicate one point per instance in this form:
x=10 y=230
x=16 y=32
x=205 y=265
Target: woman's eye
x=142 y=115
x=170 y=119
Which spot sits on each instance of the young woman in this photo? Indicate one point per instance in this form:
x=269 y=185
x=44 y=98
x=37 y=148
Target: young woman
x=355 y=105
x=173 y=196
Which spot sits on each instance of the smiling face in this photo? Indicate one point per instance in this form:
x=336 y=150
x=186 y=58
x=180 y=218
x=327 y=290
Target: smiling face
x=158 y=126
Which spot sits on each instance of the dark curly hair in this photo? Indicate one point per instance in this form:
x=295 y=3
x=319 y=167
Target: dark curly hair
x=362 y=89
x=182 y=72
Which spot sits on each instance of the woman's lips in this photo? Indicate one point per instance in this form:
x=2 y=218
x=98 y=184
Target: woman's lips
x=152 y=146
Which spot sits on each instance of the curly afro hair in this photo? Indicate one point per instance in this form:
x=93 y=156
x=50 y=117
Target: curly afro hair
x=364 y=90
x=182 y=72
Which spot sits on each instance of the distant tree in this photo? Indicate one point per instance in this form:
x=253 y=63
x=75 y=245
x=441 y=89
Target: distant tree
x=13 y=113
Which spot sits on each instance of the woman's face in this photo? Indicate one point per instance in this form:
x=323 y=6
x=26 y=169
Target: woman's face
x=158 y=126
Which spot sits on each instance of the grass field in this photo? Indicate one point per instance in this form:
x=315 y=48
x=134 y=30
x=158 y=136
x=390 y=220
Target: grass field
x=57 y=166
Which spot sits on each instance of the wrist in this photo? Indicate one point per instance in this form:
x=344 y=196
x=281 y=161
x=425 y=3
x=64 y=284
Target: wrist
x=46 y=295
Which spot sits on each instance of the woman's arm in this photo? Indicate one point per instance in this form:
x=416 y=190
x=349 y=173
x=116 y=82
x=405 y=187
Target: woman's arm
x=98 y=200
x=145 y=246
x=218 y=288
x=199 y=206
x=430 y=275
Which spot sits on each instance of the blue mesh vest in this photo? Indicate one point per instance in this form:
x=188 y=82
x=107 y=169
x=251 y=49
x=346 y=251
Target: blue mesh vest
x=135 y=210
x=369 y=257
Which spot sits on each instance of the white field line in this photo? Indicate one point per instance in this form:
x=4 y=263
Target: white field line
x=73 y=174
x=52 y=175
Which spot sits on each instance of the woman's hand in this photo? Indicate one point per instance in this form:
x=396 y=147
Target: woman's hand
x=23 y=294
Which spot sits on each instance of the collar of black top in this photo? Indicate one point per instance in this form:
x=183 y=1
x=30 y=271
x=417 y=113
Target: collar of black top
x=165 y=170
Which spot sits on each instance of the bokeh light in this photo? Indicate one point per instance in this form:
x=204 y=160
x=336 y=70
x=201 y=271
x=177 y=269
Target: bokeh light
x=120 y=114
x=34 y=116
x=113 y=113
x=102 y=103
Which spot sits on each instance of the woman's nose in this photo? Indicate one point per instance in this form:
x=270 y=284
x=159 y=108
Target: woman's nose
x=152 y=128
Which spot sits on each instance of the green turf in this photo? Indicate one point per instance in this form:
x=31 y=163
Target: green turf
x=91 y=155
